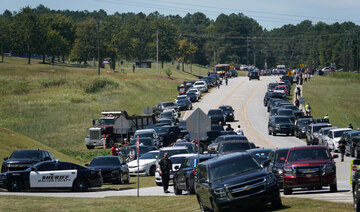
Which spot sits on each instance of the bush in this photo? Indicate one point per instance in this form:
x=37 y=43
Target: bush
x=168 y=72
x=98 y=83
x=14 y=86
x=49 y=82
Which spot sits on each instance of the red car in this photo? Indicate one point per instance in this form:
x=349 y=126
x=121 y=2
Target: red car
x=309 y=167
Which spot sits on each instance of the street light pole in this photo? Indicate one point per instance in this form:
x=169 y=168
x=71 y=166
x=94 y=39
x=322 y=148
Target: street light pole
x=157 y=51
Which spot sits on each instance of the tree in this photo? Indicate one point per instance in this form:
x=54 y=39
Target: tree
x=26 y=33
x=5 y=21
x=185 y=51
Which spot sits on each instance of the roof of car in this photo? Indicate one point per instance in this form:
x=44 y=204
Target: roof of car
x=341 y=129
x=184 y=143
x=280 y=116
x=144 y=131
x=165 y=102
x=308 y=147
x=173 y=148
x=320 y=124
x=183 y=155
x=225 y=157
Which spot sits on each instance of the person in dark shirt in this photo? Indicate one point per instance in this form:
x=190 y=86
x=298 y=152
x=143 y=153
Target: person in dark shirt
x=229 y=128
x=342 y=144
x=165 y=166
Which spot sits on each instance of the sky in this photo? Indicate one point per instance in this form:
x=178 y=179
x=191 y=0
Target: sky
x=268 y=13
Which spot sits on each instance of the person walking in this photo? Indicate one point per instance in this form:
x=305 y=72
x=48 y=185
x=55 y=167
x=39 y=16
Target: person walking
x=218 y=83
x=239 y=131
x=226 y=80
x=133 y=68
x=114 y=150
x=165 y=166
x=229 y=128
x=342 y=144
x=297 y=102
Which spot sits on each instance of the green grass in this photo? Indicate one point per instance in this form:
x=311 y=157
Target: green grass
x=336 y=94
x=177 y=203
x=55 y=104
x=10 y=141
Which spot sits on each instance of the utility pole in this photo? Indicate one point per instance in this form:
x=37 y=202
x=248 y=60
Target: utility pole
x=254 y=59
x=157 y=51
x=247 y=50
x=214 y=58
x=98 y=39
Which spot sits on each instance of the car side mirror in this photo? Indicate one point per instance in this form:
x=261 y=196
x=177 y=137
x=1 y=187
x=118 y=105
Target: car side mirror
x=33 y=168
x=86 y=164
x=335 y=156
x=282 y=159
x=5 y=158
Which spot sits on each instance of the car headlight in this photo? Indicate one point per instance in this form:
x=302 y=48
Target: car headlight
x=280 y=171
x=289 y=171
x=328 y=168
x=221 y=193
x=230 y=114
x=277 y=126
x=270 y=180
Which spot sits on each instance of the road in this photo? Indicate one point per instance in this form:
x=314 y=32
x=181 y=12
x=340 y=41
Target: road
x=246 y=97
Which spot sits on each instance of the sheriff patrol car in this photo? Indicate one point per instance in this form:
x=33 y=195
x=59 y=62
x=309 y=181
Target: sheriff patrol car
x=51 y=174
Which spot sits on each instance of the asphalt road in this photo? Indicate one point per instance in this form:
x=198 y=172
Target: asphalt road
x=246 y=97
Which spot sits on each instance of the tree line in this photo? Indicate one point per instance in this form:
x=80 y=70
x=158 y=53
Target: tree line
x=80 y=36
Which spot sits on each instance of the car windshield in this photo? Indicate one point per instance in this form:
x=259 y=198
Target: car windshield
x=282 y=153
x=318 y=128
x=280 y=88
x=273 y=85
x=183 y=101
x=308 y=154
x=304 y=122
x=282 y=120
x=292 y=107
x=168 y=104
x=166 y=115
x=26 y=154
x=144 y=141
x=235 y=147
x=215 y=112
x=106 y=121
x=149 y=155
x=177 y=160
x=339 y=133
x=226 y=108
x=235 y=138
x=285 y=112
x=260 y=156
x=163 y=130
x=144 y=135
x=172 y=152
x=105 y=161
x=233 y=168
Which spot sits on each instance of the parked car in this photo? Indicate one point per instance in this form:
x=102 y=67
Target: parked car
x=312 y=133
x=214 y=146
x=51 y=174
x=233 y=73
x=25 y=158
x=352 y=146
x=334 y=137
x=217 y=116
x=280 y=124
x=192 y=96
x=184 y=104
x=309 y=167
x=168 y=114
x=229 y=147
x=168 y=134
x=355 y=182
x=182 y=125
x=234 y=182
x=184 y=178
x=146 y=141
x=323 y=135
x=113 y=169
x=276 y=165
x=162 y=122
x=271 y=86
x=148 y=133
x=228 y=112
x=147 y=164
x=301 y=126
x=282 y=89
x=269 y=95
x=286 y=112
x=163 y=106
x=260 y=155
x=191 y=146
x=171 y=151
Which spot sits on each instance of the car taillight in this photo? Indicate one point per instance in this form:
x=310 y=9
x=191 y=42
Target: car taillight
x=194 y=172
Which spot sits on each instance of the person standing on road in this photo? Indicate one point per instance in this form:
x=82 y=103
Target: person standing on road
x=133 y=68
x=342 y=144
x=229 y=128
x=226 y=80
x=239 y=131
x=165 y=166
x=218 y=83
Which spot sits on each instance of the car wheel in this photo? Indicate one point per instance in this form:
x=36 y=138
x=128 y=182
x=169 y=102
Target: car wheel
x=333 y=187
x=269 y=132
x=15 y=185
x=356 y=200
x=188 y=188
x=249 y=79
x=274 y=133
x=110 y=142
x=90 y=147
x=288 y=191
x=276 y=204
x=158 y=184
x=80 y=185
x=177 y=191
x=152 y=171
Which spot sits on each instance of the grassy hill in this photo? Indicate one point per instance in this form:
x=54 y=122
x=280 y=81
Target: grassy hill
x=336 y=94
x=55 y=104
x=10 y=141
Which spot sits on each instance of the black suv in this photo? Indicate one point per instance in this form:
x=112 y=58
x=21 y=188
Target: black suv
x=168 y=134
x=301 y=125
x=229 y=147
x=233 y=182
x=254 y=75
x=275 y=165
x=280 y=124
x=113 y=169
x=184 y=178
x=217 y=116
x=228 y=111
x=23 y=159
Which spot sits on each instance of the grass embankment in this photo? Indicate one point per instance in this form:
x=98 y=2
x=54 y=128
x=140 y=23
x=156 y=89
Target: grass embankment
x=55 y=104
x=336 y=94
x=10 y=141
x=178 y=203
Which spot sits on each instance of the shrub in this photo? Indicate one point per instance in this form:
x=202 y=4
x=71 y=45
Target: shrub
x=98 y=83
x=168 y=72
x=49 y=82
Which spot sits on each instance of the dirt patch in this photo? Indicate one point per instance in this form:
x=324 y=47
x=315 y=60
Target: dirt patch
x=169 y=78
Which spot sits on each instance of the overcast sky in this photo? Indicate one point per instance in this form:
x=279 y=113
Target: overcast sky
x=268 y=13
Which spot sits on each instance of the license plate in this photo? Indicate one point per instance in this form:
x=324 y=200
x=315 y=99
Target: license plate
x=309 y=175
